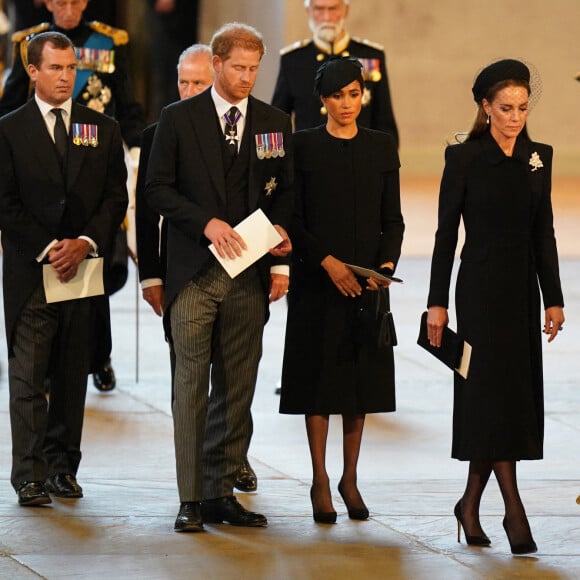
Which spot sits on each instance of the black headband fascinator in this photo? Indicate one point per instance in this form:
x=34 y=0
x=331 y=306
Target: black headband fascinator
x=335 y=73
x=496 y=72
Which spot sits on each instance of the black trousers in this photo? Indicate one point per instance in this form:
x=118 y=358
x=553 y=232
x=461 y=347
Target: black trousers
x=51 y=342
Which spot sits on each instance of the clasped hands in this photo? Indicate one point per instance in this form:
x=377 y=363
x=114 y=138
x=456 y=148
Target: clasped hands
x=66 y=256
x=228 y=243
x=345 y=280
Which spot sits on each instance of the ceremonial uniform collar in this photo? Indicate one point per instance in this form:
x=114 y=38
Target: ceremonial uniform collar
x=337 y=48
x=71 y=32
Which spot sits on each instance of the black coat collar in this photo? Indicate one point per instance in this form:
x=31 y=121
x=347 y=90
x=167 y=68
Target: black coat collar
x=496 y=156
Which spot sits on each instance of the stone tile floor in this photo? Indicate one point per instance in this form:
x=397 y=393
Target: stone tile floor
x=122 y=528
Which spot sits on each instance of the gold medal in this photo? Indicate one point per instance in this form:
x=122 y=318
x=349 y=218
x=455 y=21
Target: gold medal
x=375 y=76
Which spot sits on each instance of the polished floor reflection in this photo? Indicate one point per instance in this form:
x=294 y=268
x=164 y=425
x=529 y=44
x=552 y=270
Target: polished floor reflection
x=123 y=527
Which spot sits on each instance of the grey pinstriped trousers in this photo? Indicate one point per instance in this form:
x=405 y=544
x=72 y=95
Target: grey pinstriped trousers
x=216 y=325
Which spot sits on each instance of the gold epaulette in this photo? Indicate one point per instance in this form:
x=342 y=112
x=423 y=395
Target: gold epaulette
x=370 y=43
x=294 y=46
x=20 y=35
x=118 y=35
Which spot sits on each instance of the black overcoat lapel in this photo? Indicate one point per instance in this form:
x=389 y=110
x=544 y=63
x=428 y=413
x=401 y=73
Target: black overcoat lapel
x=258 y=121
x=42 y=149
x=203 y=118
x=76 y=153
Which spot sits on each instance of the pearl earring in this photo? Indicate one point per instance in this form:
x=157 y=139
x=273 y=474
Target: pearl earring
x=488 y=118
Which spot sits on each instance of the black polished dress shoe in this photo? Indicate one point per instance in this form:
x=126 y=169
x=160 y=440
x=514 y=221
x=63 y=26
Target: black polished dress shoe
x=189 y=517
x=228 y=509
x=246 y=479
x=64 y=485
x=104 y=379
x=33 y=493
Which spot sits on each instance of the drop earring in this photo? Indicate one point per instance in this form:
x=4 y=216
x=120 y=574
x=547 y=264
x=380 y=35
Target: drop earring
x=488 y=118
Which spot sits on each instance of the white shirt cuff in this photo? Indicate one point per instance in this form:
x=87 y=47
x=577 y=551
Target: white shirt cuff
x=281 y=269
x=148 y=282
x=95 y=251
x=42 y=255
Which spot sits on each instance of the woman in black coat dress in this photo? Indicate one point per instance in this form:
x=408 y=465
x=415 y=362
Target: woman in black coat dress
x=498 y=181
x=347 y=211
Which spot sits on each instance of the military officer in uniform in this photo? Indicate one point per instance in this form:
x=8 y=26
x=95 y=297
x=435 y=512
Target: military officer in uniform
x=299 y=62
x=102 y=83
x=103 y=80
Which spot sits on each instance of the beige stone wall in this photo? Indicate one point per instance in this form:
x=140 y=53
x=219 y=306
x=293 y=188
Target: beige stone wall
x=433 y=52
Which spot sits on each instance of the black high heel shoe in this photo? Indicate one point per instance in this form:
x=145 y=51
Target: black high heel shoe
x=322 y=517
x=471 y=540
x=528 y=547
x=360 y=513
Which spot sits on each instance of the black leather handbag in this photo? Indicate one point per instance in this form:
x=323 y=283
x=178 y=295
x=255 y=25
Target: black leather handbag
x=375 y=320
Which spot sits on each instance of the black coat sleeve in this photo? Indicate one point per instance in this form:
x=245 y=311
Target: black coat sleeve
x=146 y=219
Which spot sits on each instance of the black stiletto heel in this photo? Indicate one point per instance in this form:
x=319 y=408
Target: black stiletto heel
x=471 y=540
x=322 y=517
x=361 y=513
x=528 y=547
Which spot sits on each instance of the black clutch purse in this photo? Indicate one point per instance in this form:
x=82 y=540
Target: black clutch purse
x=375 y=322
x=454 y=352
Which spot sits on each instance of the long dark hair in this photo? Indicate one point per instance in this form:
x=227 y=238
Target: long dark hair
x=480 y=125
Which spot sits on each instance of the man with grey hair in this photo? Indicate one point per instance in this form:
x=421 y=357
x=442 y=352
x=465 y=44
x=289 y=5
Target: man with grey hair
x=298 y=64
x=194 y=75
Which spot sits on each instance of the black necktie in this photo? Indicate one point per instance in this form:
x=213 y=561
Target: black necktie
x=231 y=132
x=60 y=136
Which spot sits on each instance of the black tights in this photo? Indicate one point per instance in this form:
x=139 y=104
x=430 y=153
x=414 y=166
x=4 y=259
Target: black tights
x=515 y=514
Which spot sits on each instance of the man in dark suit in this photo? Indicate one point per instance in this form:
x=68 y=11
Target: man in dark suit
x=300 y=61
x=103 y=83
x=216 y=158
x=194 y=75
x=62 y=195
